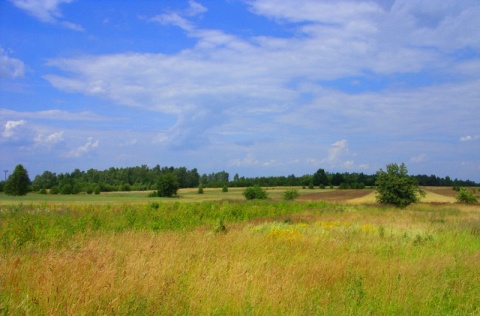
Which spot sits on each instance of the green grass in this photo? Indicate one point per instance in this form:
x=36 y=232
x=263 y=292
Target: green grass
x=180 y=256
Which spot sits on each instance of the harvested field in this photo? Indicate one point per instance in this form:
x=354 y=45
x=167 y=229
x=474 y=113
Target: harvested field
x=433 y=195
x=446 y=191
x=335 y=195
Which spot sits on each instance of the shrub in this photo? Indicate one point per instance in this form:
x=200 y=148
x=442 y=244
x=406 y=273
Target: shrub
x=225 y=188
x=200 y=189
x=466 y=196
x=290 y=195
x=255 y=192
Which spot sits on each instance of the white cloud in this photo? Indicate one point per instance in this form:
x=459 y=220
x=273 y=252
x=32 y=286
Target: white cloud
x=10 y=67
x=195 y=8
x=49 y=140
x=10 y=127
x=337 y=150
x=46 y=11
x=56 y=115
x=313 y=11
x=248 y=161
x=419 y=158
x=228 y=90
x=84 y=149
x=179 y=18
x=469 y=138
x=72 y=26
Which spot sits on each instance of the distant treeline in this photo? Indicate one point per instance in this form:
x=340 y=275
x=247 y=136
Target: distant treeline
x=143 y=178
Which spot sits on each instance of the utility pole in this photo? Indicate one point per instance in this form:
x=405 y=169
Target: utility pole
x=5 y=174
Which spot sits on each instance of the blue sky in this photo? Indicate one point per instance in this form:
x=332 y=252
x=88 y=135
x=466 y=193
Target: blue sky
x=255 y=87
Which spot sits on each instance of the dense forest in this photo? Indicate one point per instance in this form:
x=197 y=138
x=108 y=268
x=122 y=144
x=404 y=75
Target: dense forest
x=143 y=178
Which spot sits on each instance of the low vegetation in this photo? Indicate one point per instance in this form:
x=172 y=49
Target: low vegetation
x=466 y=196
x=290 y=195
x=254 y=250
x=255 y=192
x=261 y=257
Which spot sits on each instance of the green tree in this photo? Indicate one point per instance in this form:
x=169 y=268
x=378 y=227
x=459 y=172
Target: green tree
x=18 y=182
x=395 y=186
x=200 y=189
x=320 y=177
x=167 y=185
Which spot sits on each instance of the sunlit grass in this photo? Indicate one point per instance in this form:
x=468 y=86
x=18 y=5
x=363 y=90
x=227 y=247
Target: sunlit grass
x=271 y=258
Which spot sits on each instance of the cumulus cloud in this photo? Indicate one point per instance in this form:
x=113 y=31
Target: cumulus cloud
x=10 y=68
x=46 y=11
x=10 y=128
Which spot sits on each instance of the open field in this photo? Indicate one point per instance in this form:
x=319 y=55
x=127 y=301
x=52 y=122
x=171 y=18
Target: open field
x=365 y=196
x=123 y=253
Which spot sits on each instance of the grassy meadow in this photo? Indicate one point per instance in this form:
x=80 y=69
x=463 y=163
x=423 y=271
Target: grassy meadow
x=331 y=252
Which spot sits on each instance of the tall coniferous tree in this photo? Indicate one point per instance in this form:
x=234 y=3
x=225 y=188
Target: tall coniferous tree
x=18 y=182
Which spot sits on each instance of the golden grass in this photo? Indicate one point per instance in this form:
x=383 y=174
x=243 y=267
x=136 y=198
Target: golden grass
x=430 y=197
x=437 y=198
x=367 y=199
x=359 y=261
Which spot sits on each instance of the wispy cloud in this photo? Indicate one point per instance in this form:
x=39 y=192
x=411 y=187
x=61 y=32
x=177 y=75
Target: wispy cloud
x=337 y=150
x=49 y=139
x=56 y=115
x=46 y=11
x=469 y=138
x=311 y=76
x=248 y=161
x=10 y=67
x=84 y=149
x=418 y=159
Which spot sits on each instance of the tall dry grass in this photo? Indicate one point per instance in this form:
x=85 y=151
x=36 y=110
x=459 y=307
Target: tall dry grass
x=336 y=260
